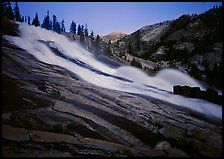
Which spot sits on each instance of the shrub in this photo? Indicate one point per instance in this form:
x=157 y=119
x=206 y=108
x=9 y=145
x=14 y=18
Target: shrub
x=136 y=63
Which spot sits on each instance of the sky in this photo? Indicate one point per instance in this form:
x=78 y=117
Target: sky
x=106 y=17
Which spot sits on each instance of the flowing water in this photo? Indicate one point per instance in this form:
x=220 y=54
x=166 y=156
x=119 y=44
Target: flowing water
x=52 y=48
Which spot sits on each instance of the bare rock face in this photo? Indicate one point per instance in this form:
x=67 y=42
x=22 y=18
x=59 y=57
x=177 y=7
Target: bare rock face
x=49 y=111
x=113 y=37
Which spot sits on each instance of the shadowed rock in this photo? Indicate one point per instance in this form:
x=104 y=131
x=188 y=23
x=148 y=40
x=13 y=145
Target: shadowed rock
x=195 y=92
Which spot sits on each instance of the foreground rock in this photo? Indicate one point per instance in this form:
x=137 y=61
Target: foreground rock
x=49 y=111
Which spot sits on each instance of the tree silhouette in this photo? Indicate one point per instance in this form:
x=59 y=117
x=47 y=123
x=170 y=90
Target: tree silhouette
x=62 y=26
x=22 y=19
x=28 y=20
x=86 y=30
x=79 y=32
x=54 y=23
x=47 y=24
x=92 y=35
x=97 y=43
x=73 y=28
x=17 y=13
x=36 y=21
x=8 y=12
x=82 y=29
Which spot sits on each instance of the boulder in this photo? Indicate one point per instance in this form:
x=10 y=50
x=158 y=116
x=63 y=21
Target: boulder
x=195 y=92
x=177 y=89
x=186 y=91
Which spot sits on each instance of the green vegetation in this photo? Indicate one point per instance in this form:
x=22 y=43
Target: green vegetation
x=136 y=63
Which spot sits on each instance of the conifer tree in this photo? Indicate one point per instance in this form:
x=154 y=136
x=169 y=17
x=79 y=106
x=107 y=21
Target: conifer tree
x=92 y=35
x=86 y=30
x=28 y=20
x=54 y=23
x=82 y=29
x=63 y=26
x=36 y=21
x=47 y=24
x=17 y=13
x=71 y=27
x=79 y=32
x=97 y=43
x=22 y=19
x=8 y=12
x=74 y=28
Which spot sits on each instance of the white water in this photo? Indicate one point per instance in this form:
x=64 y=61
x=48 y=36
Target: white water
x=160 y=86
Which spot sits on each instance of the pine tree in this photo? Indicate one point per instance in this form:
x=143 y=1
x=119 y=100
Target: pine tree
x=36 y=21
x=22 y=19
x=54 y=23
x=86 y=30
x=58 y=27
x=28 y=20
x=47 y=24
x=79 y=32
x=17 y=13
x=8 y=12
x=71 y=27
x=82 y=30
x=50 y=25
x=97 y=43
x=92 y=35
x=62 y=26
x=74 y=28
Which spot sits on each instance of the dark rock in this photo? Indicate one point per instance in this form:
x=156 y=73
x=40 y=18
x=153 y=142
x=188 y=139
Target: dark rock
x=177 y=89
x=186 y=91
x=194 y=92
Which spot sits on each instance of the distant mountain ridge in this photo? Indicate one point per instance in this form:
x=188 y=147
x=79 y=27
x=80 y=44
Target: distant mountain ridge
x=113 y=37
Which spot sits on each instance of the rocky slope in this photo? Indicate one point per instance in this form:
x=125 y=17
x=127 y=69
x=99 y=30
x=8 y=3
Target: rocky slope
x=49 y=111
x=192 y=43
